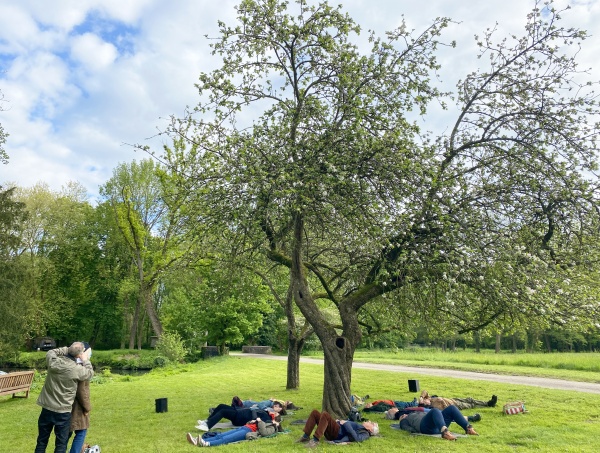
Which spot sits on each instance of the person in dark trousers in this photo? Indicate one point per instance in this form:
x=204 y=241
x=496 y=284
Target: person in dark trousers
x=58 y=394
x=238 y=416
x=335 y=430
x=435 y=421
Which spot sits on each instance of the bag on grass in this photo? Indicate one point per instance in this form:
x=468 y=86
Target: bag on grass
x=93 y=449
x=514 y=407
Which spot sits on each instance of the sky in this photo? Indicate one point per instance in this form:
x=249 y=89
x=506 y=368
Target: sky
x=83 y=80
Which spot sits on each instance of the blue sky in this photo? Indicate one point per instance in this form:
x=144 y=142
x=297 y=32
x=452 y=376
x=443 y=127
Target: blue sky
x=83 y=79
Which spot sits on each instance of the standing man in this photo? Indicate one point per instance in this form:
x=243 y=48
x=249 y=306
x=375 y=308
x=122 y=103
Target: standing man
x=58 y=393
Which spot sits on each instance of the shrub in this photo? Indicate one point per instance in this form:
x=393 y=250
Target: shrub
x=170 y=345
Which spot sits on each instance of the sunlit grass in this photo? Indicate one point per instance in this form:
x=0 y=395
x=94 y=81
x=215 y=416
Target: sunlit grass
x=124 y=418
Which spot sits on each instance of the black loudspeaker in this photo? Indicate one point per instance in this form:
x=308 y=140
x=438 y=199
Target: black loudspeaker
x=413 y=385
x=161 y=405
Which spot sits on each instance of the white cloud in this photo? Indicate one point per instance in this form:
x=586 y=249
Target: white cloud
x=95 y=54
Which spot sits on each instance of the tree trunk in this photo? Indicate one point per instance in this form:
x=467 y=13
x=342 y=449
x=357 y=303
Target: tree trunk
x=547 y=341
x=293 y=362
x=477 y=342
x=135 y=321
x=338 y=350
x=337 y=394
x=498 y=339
x=147 y=291
x=514 y=343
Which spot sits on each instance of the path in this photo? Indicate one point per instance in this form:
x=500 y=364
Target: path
x=558 y=384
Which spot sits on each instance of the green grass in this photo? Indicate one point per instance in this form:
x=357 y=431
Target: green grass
x=584 y=367
x=123 y=419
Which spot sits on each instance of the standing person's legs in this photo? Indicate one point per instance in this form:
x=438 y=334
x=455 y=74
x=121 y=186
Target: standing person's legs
x=452 y=414
x=45 y=425
x=78 y=440
x=220 y=412
x=433 y=422
x=62 y=423
x=327 y=426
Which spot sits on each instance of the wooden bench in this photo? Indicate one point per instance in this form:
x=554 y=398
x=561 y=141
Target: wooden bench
x=16 y=382
x=256 y=350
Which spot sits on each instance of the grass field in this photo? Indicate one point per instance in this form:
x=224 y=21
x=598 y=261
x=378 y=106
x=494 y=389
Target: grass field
x=124 y=420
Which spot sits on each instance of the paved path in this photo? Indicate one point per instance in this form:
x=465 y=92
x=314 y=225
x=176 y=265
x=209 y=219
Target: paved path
x=559 y=384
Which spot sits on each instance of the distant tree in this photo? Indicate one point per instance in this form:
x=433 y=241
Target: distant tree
x=149 y=213
x=334 y=181
x=15 y=302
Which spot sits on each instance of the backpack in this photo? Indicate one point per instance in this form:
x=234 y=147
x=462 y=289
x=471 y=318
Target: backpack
x=354 y=415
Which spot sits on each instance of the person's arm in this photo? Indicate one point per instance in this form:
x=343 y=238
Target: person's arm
x=266 y=429
x=353 y=432
x=405 y=424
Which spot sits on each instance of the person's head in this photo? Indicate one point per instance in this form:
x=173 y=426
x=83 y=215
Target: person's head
x=76 y=349
x=278 y=407
x=390 y=414
x=372 y=427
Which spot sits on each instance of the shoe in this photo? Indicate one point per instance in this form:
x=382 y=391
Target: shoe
x=312 y=444
x=202 y=442
x=210 y=411
x=302 y=440
x=470 y=431
x=493 y=401
x=202 y=426
x=237 y=402
x=191 y=439
x=446 y=434
x=474 y=417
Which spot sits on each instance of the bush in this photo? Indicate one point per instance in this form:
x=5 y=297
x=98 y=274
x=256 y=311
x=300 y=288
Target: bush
x=170 y=345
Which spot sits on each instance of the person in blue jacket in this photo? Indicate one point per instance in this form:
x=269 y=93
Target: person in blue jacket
x=336 y=430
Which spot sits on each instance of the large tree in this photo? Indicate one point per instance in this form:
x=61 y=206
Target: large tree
x=333 y=179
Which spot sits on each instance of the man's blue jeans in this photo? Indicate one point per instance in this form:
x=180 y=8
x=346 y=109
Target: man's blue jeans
x=60 y=422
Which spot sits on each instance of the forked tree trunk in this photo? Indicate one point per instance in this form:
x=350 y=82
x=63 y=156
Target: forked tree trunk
x=339 y=353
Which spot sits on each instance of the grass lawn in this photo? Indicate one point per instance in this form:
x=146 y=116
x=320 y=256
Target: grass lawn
x=124 y=420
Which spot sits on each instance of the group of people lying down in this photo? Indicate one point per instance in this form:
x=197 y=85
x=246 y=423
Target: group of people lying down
x=254 y=419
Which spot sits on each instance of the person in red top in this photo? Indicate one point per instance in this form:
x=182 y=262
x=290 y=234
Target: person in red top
x=238 y=434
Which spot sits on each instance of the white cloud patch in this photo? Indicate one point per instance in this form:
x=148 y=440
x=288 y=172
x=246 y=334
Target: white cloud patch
x=92 y=52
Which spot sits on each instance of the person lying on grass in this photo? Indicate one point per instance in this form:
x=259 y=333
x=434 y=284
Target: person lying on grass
x=263 y=404
x=238 y=416
x=336 y=430
x=462 y=403
x=435 y=421
x=251 y=430
x=429 y=401
x=394 y=413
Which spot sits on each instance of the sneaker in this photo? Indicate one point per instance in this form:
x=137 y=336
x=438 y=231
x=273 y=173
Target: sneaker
x=448 y=435
x=474 y=417
x=191 y=439
x=493 y=401
x=202 y=442
x=237 y=402
x=302 y=440
x=202 y=426
x=312 y=444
